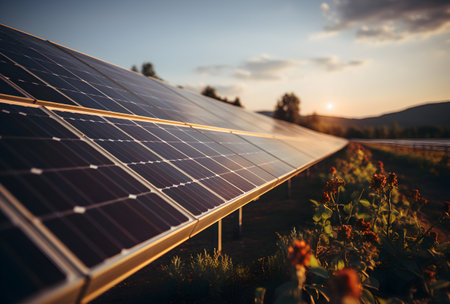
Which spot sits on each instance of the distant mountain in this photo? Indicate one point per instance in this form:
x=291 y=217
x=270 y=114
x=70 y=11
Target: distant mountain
x=431 y=114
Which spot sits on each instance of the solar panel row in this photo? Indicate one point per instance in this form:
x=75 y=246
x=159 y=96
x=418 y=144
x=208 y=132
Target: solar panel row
x=107 y=192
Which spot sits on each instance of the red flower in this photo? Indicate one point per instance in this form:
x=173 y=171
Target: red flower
x=378 y=182
x=363 y=225
x=345 y=232
x=325 y=198
x=380 y=167
x=415 y=195
x=299 y=253
x=392 y=179
x=333 y=170
x=345 y=285
x=371 y=237
x=333 y=185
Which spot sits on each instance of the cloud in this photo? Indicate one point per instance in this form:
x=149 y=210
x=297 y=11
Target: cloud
x=213 y=70
x=388 y=20
x=333 y=63
x=264 y=67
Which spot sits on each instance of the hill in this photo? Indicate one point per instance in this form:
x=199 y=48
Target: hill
x=431 y=114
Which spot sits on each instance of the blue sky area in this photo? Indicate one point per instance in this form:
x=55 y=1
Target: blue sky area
x=351 y=58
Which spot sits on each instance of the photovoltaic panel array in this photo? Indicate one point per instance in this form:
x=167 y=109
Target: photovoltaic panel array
x=103 y=170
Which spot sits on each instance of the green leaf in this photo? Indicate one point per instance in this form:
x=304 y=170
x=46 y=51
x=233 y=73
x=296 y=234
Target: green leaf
x=314 y=262
x=317 y=216
x=327 y=229
x=365 y=203
x=367 y=297
x=340 y=264
x=372 y=283
x=348 y=208
x=326 y=212
x=316 y=203
x=319 y=271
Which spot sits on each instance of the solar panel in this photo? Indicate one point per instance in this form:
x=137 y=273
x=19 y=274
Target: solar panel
x=109 y=169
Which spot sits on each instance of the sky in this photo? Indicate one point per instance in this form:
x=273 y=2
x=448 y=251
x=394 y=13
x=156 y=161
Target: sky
x=351 y=58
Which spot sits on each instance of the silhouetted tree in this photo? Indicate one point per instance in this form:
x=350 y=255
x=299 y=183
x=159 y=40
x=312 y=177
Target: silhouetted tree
x=237 y=102
x=288 y=108
x=148 y=70
x=211 y=92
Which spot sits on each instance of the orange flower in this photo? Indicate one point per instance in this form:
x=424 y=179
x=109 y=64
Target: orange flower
x=325 y=198
x=345 y=232
x=345 y=285
x=415 y=195
x=378 y=182
x=371 y=237
x=446 y=209
x=392 y=179
x=333 y=171
x=363 y=225
x=380 y=167
x=299 y=253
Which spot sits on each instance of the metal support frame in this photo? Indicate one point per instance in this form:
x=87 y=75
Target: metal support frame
x=289 y=188
x=237 y=232
x=219 y=236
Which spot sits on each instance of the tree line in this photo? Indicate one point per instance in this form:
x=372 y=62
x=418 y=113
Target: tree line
x=288 y=108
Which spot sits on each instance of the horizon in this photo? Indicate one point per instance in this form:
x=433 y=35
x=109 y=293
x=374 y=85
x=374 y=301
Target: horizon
x=332 y=55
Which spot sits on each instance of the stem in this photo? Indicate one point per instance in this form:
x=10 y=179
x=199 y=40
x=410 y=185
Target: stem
x=378 y=211
x=428 y=230
x=353 y=206
x=389 y=214
x=337 y=208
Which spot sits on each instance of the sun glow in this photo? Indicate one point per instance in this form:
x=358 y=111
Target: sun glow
x=330 y=106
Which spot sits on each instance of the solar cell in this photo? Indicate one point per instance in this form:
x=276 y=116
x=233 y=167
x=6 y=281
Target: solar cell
x=59 y=178
x=168 y=162
x=23 y=264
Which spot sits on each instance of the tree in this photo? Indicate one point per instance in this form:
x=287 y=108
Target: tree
x=237 y=102
x=288 y=108
x=148 y=70
x=211 y=92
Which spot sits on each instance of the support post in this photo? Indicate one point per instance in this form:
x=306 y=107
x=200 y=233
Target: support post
x=237 y=224
x=289 y=188
x=219 y=236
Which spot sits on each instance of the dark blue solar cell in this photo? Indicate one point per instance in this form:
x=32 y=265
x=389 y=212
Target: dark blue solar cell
x=238 y=181
x=7 y=89
x=25 y=269
x=222 y=187
x=29 y=83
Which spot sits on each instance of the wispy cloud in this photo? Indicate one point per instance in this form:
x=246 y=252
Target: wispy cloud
x=387 y=20
x=333 y=63
x=213 y=70
x=264 y=67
